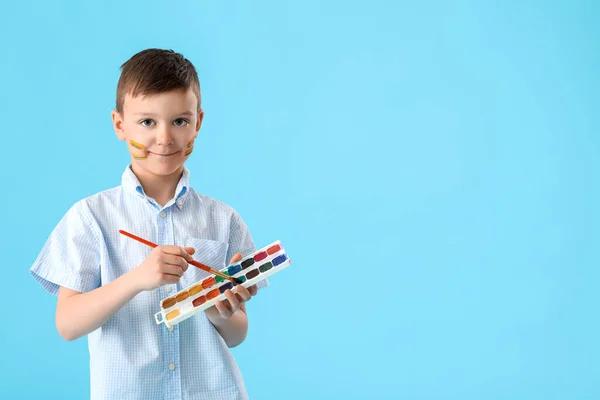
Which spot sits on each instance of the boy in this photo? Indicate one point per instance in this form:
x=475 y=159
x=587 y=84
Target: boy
x=109 y=286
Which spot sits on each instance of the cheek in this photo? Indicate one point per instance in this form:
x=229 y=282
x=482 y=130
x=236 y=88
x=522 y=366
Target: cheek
x=137 y=150
x=189 y=147
x=137 y=143
x=184 y=140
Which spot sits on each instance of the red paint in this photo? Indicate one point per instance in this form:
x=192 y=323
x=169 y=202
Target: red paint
x=199 y=301
x=260 y=256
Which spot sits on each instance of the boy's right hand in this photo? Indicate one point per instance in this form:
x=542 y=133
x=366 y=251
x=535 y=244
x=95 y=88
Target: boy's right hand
x=164 y=265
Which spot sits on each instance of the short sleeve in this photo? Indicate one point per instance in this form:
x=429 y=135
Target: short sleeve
x=71 y=256
x=240 y=241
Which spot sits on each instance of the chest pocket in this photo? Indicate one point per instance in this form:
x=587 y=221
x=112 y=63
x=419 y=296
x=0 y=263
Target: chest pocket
x=208 y=252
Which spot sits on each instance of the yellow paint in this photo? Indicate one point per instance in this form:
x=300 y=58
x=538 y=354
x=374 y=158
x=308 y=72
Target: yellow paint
x=138 y=157
x=172 y=314
x=137 y=145
x=191 y=142
x=188 y=152
x=195 y=290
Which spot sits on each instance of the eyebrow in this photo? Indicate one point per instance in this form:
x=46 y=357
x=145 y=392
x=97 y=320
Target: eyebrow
x=182 y=114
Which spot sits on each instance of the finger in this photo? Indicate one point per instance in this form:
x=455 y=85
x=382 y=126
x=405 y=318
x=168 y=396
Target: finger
x=170 y=279
x=226 y=304
x=177 y=251
x=237 y=257
x=172 y=270
x=233 y=300
x=175 y=260
x=242 y=293
x=223 y=309
x=190 y=250
x=253 y=290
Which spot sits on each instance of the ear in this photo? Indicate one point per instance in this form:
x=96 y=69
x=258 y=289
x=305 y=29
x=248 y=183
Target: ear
x=117 y=120
x=199 y=123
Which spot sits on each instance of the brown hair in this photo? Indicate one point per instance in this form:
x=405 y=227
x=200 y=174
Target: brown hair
x=153 y=71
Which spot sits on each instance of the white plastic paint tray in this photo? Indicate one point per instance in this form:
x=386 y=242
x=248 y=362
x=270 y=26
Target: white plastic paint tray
x=203 y=294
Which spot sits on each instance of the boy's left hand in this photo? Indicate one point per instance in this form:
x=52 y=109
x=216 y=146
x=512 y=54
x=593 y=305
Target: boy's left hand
x=236 y=298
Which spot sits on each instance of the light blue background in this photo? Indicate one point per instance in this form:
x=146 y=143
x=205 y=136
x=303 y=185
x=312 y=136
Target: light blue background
x=432 y=170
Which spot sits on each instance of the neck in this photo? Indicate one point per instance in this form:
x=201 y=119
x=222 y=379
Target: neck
x=159 y=187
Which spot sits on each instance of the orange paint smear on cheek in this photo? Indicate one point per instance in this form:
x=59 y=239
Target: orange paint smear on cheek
x=138 y=146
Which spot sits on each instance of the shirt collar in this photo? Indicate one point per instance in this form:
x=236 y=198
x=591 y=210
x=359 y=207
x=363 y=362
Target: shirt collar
x=131 y=183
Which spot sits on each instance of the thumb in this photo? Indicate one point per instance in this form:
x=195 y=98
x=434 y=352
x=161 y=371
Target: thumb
x=237 y=257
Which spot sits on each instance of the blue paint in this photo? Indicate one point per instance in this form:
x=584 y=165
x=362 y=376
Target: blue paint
x=234 y=269
x=279 y=259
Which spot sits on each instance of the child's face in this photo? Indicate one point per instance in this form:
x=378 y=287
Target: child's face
x=159 y=129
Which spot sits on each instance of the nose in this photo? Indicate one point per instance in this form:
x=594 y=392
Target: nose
x=163 y=136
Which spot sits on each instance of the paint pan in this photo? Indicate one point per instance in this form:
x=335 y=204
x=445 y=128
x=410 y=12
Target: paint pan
x=204 y=294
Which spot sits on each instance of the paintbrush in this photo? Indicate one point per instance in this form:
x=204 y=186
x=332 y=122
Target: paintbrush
x=193 y=262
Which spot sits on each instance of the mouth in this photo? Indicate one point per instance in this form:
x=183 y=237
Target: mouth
x=163 y=155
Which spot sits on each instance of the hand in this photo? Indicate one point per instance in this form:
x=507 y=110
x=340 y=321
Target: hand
x=236 y=299
x=164 y=265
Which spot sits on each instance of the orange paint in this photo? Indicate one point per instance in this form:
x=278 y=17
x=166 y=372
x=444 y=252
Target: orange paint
x=208 y=282
x=137 y=145
x=170 y=302
x=273 y=249
x=182 y=296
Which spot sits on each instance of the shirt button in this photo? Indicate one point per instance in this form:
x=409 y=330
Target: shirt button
x=167 y=289
x=179 y=202
x=163 y=214
x=171 y=366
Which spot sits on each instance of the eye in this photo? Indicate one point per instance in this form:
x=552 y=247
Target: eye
x=147 y=122
x=181 y=122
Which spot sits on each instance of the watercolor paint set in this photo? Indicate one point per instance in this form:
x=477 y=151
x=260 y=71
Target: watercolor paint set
x=201 y=295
